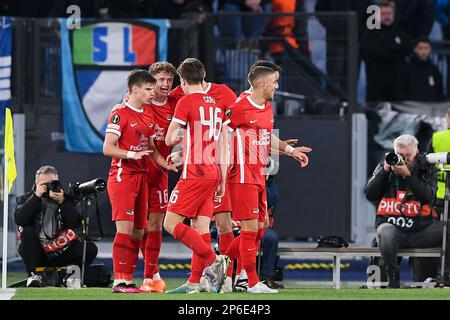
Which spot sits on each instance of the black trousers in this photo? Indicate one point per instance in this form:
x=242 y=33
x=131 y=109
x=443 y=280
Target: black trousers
x=390 y=239
x=33 y=255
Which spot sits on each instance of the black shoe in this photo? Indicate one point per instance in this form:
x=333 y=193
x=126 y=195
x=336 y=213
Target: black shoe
x=394 y=280
x=271 y=284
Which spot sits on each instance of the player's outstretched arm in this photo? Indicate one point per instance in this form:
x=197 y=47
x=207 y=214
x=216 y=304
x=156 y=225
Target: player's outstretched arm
x=285 y=147
x=110 y=149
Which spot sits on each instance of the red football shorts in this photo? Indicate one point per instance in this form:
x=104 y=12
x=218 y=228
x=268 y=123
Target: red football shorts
x=224 y=205
x=129 y=198
x=193 y=197
x=249 y=201
x=158 y=194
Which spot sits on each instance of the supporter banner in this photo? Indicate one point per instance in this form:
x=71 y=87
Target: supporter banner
x=96 y=59
x=6 y=29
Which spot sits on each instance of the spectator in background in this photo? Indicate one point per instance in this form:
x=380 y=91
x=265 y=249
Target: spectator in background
x=131 y=8
x=176 y=9
x=337 y=34
x=420 y=79
x=292 y=29
x=242 y=28
x=384 y=51
x=415 y=17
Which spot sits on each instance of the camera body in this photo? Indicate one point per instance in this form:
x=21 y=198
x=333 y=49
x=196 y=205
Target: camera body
x=79 y=190
x=394 y=159
x=53 y=185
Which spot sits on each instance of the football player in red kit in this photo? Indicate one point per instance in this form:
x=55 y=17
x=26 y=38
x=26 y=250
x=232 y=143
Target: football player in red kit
x=162 y=108
x=225 y=97
x=252 y=120
x=129 y=141
x=202 y=179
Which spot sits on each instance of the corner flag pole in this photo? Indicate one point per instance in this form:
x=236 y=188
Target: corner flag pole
x=5 y=224
x=10 y=175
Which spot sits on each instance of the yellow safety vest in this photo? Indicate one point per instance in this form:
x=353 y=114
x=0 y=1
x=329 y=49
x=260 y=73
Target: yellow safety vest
x=441 y=143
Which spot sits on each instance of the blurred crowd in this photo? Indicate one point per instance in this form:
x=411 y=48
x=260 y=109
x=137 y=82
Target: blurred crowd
x=396 y=55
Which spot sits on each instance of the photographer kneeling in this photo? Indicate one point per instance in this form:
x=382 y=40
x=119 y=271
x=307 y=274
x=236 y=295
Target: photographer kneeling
x=48 y=220
x=404 y=190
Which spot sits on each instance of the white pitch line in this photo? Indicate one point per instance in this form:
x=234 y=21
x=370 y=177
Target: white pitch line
x=7 y=294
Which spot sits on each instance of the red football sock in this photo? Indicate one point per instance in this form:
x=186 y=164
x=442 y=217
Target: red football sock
x=259 y=237
x=193 y=240
x=224 y=241
x=198 y=264
x=133 y=256
x=152 y=250
x=233 y=248
x=123 y=249
x=142 y=244
x=248 y=250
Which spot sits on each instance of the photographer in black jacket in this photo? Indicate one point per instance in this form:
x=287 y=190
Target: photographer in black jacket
x=404 y=195
x=47 y=220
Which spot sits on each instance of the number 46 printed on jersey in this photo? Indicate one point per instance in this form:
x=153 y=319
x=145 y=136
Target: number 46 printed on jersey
x=214 y=122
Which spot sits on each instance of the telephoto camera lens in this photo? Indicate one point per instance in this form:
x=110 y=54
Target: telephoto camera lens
x=394 y=159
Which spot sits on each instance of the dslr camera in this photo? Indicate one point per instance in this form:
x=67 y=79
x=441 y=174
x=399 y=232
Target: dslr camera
x=53 y=185
x=79 y=190
x=394 y=159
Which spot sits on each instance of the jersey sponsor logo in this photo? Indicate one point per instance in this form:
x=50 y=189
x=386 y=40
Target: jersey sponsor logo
x=115 y=119
x=256 y=210
x=169 y=118
x=143 y=145
x=264 y=139
x=159 y=135
x=215 y=207
x=133 y=125
x=130 y=212
x=228 y=112
x=253 y=121
x=162 y=207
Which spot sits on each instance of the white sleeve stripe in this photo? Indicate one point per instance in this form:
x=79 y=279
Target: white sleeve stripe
x=113 y=131
x=179 y=121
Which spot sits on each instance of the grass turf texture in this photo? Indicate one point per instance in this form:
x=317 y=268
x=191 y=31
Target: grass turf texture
x=290 y=293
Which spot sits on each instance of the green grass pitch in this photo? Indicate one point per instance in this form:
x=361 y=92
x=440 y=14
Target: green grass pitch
x=290 y=293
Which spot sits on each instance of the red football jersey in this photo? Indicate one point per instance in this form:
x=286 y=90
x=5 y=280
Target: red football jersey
x=162 y=115
x=134 y=127
x=177 y=93
x=244 y=94
x=253 y=125
x=202 y=117
x=223 y=95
